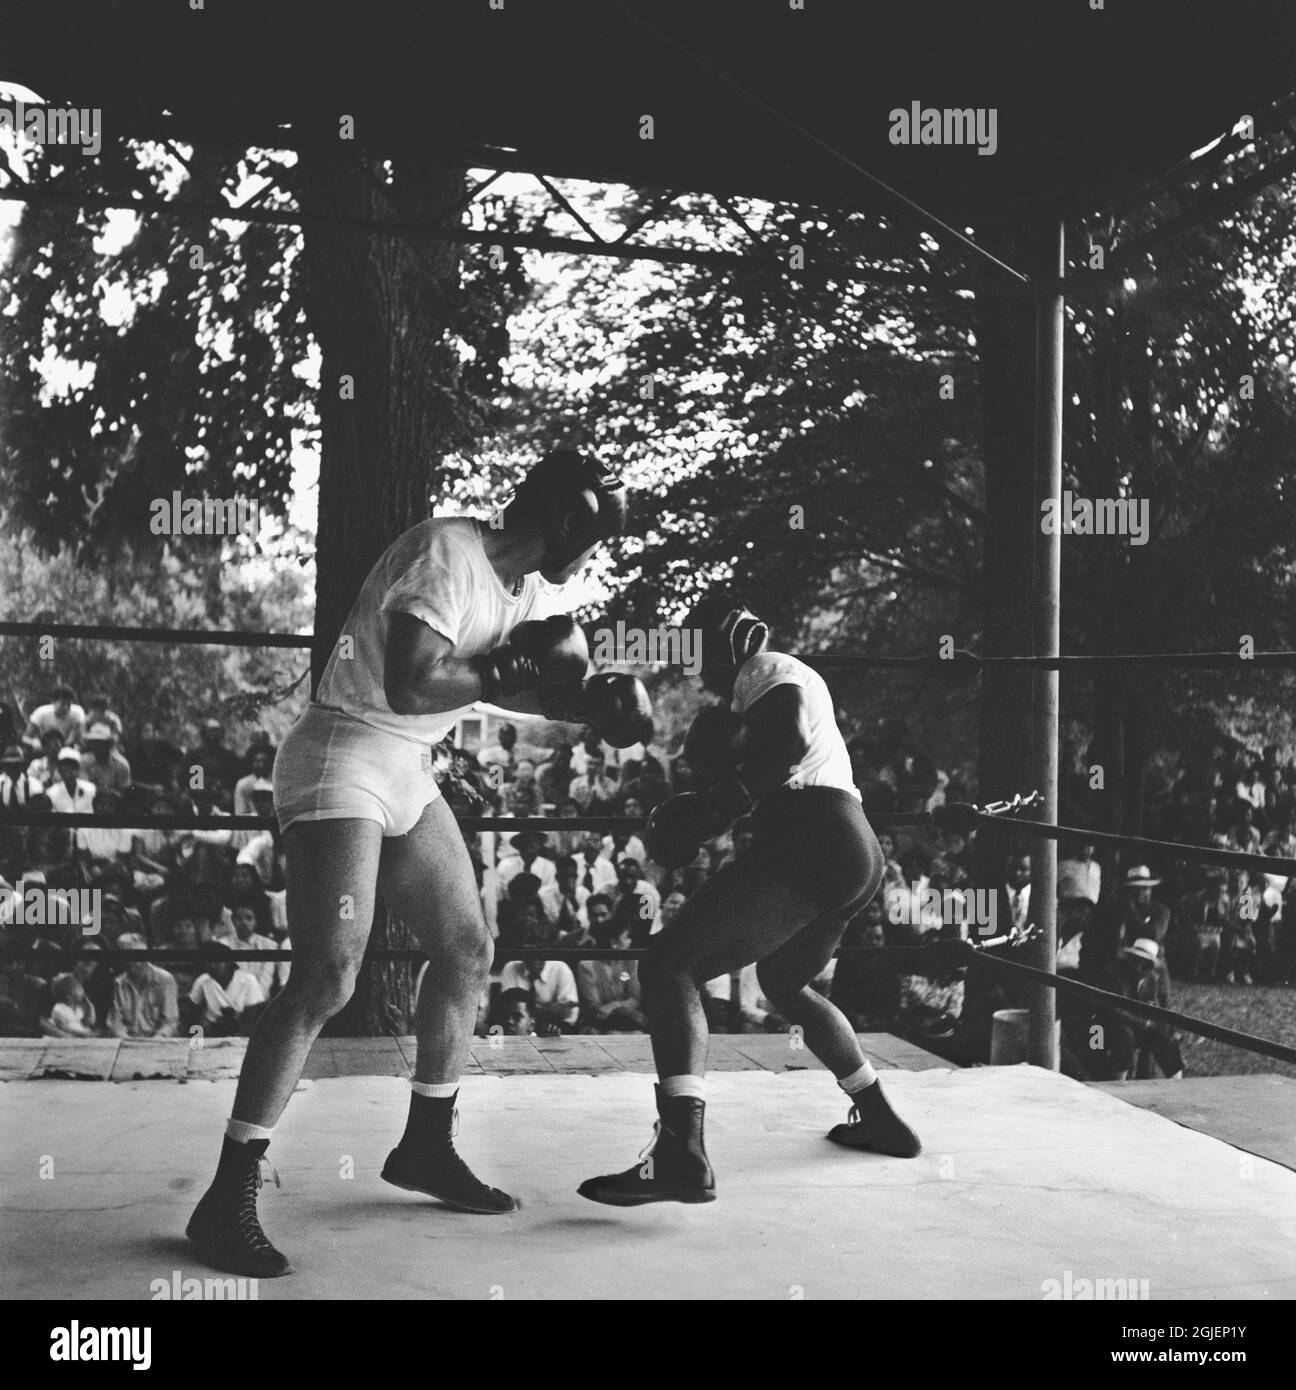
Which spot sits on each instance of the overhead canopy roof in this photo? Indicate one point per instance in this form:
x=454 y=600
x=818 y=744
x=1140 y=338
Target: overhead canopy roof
x=1090 y=103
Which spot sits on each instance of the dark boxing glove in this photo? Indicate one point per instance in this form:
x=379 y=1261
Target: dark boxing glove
x=682 y=824
x=537 y=653
x=615 y=705
x=619 y=708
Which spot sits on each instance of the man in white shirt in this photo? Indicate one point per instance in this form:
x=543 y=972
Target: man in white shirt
x=636 y=903
x=564 y=900
x=1079 y=875
x=594 y=791
x=62 y=716
x=551 y=985
x=224 y=994
x=71 y=794
x=594 y=872
x=508 y=752
x=450 y=616
x=527 y=852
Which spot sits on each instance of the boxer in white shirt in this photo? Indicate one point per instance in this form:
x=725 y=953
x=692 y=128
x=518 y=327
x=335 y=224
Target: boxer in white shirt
x=814 y=862
x=449 y=615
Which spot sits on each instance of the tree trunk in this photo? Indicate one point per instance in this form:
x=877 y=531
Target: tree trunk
x=379 y=308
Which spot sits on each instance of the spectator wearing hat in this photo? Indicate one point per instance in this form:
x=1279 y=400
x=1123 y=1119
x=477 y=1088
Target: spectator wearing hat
x=71 y=794
x=1142 y=977
x=62 y=716
x=16 y=786
x=101 y=763
x=144 y=1003
x=528 y=853
x=1142 y=916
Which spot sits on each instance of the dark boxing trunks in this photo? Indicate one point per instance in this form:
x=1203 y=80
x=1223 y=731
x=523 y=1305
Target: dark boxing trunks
x=818 y=842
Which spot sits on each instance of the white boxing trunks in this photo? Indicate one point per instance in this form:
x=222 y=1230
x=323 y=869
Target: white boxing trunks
x=332 y=767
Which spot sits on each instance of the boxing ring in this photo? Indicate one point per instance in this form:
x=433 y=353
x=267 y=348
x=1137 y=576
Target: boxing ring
x=1030 y=1183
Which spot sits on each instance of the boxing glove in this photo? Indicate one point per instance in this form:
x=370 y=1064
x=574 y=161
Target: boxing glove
x=682 y=824
x=713 y=744
x=615 y=705
x=618 y=708
x=552 y=651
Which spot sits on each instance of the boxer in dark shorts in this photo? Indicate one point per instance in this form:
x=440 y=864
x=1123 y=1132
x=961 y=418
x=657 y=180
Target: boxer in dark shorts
x=814 y=862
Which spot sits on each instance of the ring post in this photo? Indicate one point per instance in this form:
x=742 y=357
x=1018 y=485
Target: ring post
x=1049 y=324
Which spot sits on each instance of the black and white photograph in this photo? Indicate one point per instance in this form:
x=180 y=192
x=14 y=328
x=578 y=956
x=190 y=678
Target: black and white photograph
x=647 y=655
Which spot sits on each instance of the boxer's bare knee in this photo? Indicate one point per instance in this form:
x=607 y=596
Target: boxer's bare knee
x=460 y=956
x=320 y=990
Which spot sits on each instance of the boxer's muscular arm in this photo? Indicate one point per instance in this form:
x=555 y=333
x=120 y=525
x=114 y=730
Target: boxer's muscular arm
x=422 y=675
x=775 y=737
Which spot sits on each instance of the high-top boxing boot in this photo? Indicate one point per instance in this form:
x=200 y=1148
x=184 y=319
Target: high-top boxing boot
x=673 y=1168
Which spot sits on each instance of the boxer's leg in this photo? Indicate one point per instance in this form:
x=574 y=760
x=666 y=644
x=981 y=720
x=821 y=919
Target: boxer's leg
x=427 y=879
x=733 y=919
x=785 y=977
x=332 y=872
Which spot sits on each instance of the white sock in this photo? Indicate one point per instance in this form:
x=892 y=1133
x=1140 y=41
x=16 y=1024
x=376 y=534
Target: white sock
x=858 y=1080
x=437 y=1090
x=693 y=1086
x=243 y=1133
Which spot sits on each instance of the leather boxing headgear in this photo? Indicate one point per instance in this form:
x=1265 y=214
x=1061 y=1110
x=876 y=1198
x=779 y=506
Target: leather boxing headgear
x=731 y=636
x=577 y=502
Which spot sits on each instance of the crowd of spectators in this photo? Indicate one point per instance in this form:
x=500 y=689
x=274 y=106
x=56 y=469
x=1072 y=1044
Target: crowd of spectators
x=205 y=892
x=212 y=891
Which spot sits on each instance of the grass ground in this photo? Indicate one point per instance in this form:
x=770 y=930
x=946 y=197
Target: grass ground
x=1263 y=1011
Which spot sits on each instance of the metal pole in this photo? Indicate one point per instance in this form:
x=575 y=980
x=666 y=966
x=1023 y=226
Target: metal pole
x=1049 y=324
